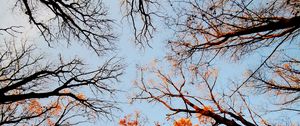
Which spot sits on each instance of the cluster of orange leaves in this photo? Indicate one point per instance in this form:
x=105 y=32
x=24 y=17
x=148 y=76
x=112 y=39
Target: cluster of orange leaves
x=290 y=77
x=180 y=122
x=50 y=123
x=202 y=119
x=81 y=96
x=35 y=107
x=205 y=119
x=57 y=108
x=126 y=122
x=183 y=122
x=54 y=108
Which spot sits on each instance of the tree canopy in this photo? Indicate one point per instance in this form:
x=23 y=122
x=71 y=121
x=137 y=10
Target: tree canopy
x=209 y=32
x=258 y=39
x=34 y=89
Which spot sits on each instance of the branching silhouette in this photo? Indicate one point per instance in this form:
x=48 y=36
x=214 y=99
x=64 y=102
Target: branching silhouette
x=141 y=9
x=208 y=31
x=34 y=91
x=83 y=20
x=208 y=105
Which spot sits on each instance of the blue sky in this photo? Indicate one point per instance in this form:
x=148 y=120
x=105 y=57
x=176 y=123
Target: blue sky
x=132 y=55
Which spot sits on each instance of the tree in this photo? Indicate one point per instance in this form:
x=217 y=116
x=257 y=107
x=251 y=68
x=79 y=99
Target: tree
x=141 y=9
x=207 y=31
x=198 y=96
x=73 y=20
x=37 y=91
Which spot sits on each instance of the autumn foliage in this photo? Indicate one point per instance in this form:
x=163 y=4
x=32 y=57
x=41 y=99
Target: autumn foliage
x=183 y=122
x=129 y=120
x=225 y=62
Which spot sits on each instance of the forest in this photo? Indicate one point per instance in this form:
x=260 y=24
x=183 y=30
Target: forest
x=150 y=62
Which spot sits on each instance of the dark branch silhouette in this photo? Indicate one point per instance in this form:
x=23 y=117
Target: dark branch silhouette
x=72 y=20
x=140 y=9
x=32 y=91
x=165 y=90
x=211 y=31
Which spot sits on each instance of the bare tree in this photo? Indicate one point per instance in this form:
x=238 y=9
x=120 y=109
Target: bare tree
x=196 y=94
x=141 y=10
x=72 y=20
x=237 y=28
x=207 y=30
x=34 y=91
